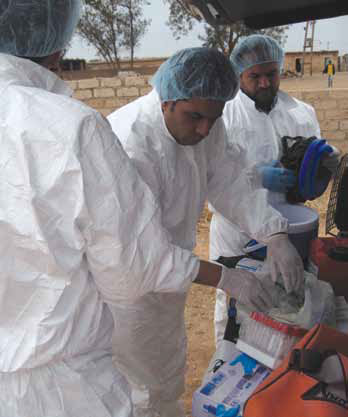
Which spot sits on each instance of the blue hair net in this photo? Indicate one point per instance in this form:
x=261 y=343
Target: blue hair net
x=196 y=72
x=37 y=28
x=254 y=50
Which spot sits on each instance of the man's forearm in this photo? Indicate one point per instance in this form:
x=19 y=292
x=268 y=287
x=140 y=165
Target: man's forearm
x=209 y=274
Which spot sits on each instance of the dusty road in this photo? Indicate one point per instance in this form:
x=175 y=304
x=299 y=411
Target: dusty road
x=314 y=82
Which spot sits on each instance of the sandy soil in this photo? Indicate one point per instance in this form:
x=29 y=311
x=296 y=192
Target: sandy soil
x=200 y=306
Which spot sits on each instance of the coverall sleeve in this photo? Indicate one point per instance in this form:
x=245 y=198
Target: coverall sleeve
x=315 y=123
x=147 y=168
x=128 y=252
x=233 y=192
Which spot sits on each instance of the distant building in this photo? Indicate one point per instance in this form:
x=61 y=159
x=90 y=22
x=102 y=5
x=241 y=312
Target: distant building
x=72 y=65
x=78 y=69
x=344 y=63
x=294 y=60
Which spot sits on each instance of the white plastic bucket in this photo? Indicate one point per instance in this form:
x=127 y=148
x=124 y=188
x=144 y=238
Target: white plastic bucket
x=303 y=225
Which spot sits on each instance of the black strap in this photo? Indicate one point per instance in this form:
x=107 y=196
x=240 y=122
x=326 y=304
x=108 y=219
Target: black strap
x=230 y=261
x=310 y=361
x=232 y=328
x=306 y=360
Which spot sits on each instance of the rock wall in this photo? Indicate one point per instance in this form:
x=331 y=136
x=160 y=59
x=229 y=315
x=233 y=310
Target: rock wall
x=109 y=94
x=331 y=107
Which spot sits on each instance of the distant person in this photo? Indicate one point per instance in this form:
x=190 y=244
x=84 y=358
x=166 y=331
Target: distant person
x=330 y=71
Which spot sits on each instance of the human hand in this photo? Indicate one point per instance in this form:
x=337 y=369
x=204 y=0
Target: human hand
x=285 y=262
x=246 y=288
x=331 y=160
x=275 y=178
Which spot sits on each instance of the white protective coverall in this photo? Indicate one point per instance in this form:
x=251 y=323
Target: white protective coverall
x=151 y=350
x=76 y=230
x=260 y=134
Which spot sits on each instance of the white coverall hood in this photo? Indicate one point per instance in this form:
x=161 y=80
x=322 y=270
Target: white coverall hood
x=55 y=329
x=261 y=135
x=75 y=225
x=152 y=349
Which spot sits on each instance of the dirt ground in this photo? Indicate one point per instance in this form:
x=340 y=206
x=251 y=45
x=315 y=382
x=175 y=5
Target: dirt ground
x=201 y=300
x=314 y=82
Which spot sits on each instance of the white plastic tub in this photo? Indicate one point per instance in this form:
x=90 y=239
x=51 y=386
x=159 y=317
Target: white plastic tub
x=303 y=225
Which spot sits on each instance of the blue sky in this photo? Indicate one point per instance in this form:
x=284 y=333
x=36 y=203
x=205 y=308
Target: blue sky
x=159 y=41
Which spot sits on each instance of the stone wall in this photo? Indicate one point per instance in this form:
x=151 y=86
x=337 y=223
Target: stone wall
x=109 y=94
x=331 y=107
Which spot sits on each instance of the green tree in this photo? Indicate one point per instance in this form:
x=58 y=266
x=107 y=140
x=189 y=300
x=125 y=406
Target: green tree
x=135 y=26
x=223 y=38
x=111 y=26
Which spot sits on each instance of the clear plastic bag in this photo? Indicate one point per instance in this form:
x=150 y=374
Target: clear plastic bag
x=314 y=304
x=317 y=305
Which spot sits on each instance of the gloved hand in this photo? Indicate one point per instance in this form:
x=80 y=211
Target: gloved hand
x=331 y=160
x=246 y=288
x=285 y=262
x=275 y=178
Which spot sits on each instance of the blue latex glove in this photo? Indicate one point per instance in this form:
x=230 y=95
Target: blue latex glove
x=221 y=411
x=275 y=178
x=247 y=362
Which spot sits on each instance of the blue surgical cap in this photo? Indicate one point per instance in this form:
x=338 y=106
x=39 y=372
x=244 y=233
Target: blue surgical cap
x=37 y=28
x=254 y=50
x=196 y=72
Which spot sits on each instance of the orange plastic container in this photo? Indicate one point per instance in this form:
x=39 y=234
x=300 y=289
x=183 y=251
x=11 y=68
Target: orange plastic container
x=286 y=391
x=333 y=271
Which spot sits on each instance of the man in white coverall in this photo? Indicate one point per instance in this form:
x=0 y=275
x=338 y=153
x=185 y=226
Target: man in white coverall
x=78 y=229
x=177 y=140
x=258 y=118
